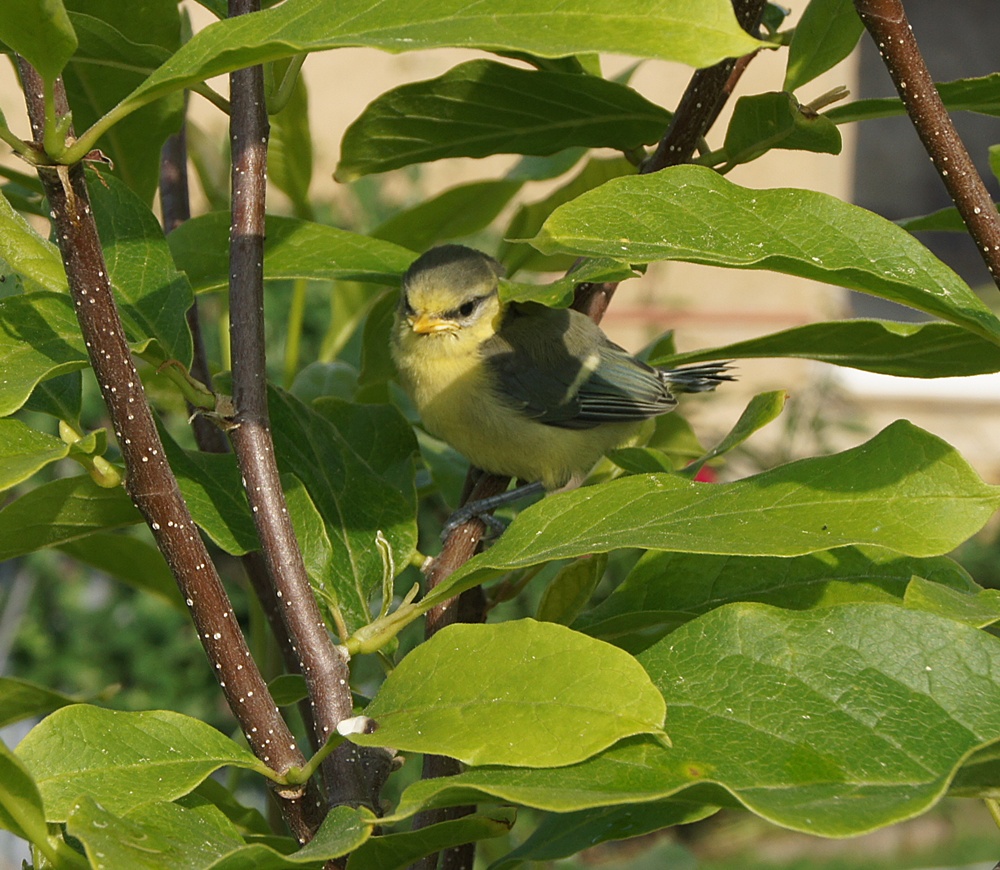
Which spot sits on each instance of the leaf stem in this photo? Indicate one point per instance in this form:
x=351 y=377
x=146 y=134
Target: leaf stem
x=887 y=25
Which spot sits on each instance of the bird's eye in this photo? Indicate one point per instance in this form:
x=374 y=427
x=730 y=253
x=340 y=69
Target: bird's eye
x=466 y=308
x=408 y=309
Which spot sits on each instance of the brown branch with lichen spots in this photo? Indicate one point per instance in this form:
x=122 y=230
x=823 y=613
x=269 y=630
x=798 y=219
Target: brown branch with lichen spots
x=149 y=480
x=353 y=775
x=887 y=25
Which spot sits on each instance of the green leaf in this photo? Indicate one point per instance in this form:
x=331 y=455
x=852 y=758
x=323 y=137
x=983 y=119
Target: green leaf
x=40 y=31
x=691 y=213
x=290 y=149
x=944 y=220
x=24 y=451
x=159 y=835
x=355 y=461
x=397 y=851
x=905 y=490
x=696 y=33
x=483 y=107
x=60 y=397
x=968 y=95
x=123 y=759
x=61 y=511
x=153 y=297
x=762 y=409
x=528 y=219
x=569 y=591
x=776 y=120
x=39 y=339
x=21 y=810
x=979 y=608
x=512 y=694
x=128 y=559
x=213 y=489
x=909 y=350
x=27 y=252
x=562 y=835
x=459 y=211
x=817 y=721
x=115 y=55
x=20 y=699
x=293 y=249
x=825 y=34
x=665 y=590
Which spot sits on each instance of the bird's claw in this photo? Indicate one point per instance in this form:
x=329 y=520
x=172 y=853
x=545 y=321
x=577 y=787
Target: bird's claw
x=494 y=525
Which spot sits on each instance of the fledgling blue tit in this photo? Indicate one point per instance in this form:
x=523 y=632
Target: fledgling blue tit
x=519 y=389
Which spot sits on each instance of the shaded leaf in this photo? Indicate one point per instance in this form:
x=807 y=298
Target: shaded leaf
x=293 y=249
x=665 y=590
x=511 y=694
x=483 y=107
x=910 y=350
x=20 y=699
x=392 y=851
x=761 y=122
x=691 y=213
x=979 y=608
x=61 y=511
x=970 y=95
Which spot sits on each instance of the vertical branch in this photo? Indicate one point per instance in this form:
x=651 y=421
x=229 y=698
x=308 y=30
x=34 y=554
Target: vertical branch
x=149 y=480
x=886 y=22
x=352 y=777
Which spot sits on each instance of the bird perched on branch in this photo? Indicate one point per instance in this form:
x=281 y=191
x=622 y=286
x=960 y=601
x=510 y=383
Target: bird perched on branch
x=519 y=389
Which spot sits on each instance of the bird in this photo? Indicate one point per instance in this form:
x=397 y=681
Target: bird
x=522 y=390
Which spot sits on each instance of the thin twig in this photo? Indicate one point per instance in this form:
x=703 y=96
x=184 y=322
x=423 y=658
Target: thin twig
x=149 y=480
x=886 y=23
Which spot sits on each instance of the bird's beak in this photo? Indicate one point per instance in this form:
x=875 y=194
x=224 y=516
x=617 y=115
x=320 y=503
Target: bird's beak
x=427 y=324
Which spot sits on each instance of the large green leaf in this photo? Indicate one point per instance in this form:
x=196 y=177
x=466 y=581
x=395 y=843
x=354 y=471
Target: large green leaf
x=825 y=34
x=122 y=759
x=696 y=32
x=512 y=694
x=115 y=55
x=153 y=297
x=817 y=721
x=39 y=339
x=293 y=249
x=40 y=31
x=905 y=490
x=909 y=350
x=482 y=107
x=665 y=590
x=61 y=511
x=691 y=213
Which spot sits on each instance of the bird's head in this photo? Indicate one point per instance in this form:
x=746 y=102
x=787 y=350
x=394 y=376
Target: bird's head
x=450 y=293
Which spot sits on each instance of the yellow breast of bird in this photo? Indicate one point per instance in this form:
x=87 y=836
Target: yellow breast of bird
x=457 y=403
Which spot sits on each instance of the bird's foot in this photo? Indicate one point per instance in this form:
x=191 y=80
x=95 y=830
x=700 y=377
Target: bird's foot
x=494 y=525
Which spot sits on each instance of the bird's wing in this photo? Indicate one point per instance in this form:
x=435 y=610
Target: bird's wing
x=557 y=367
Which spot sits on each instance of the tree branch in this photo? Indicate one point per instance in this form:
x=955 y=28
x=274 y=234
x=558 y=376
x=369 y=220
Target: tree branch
x=352 y=776
x=149 y=479
x=886 y=22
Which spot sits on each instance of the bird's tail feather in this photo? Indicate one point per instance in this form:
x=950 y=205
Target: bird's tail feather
x=698 y=378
